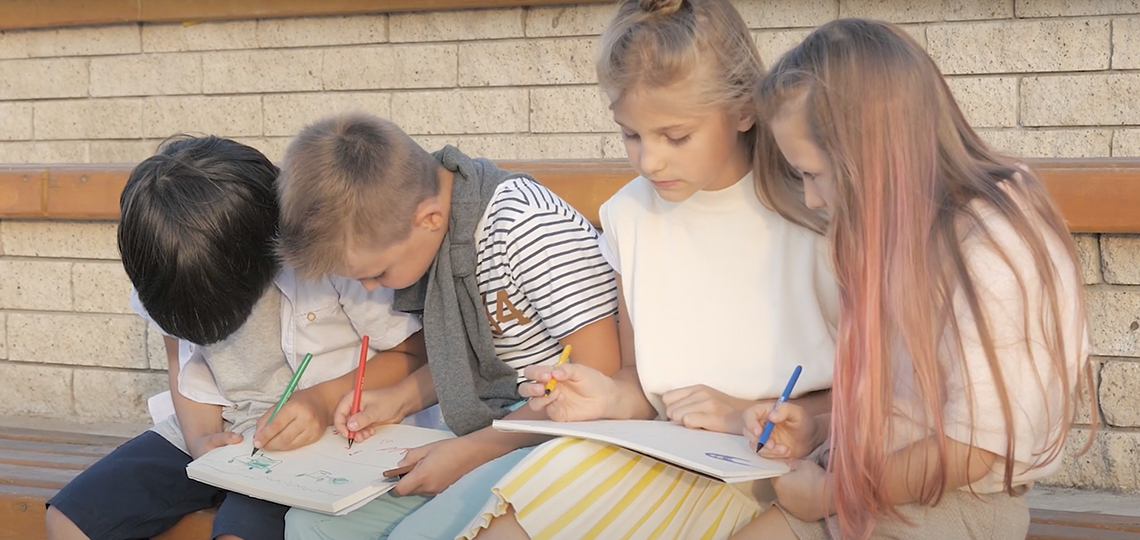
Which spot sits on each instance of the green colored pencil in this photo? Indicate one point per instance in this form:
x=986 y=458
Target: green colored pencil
x=288 y=391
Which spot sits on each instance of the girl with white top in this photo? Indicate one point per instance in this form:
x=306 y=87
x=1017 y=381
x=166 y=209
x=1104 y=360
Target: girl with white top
x=962 y=332
x=719 y=298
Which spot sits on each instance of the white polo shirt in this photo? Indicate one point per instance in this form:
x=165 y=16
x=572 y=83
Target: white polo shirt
x=325 y=317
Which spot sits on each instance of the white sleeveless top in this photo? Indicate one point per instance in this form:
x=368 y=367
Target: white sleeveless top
x=721 y=291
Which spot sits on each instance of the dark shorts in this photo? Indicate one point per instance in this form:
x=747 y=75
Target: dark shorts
x=141 y=489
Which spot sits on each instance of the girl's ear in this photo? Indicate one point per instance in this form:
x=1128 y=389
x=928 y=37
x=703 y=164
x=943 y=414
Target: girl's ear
x=747 y=116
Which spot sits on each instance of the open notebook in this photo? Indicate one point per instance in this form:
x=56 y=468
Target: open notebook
x=323 y=477
x=719 y=455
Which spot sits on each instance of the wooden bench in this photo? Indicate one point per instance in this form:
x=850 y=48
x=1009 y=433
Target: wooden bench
x=1094 y=195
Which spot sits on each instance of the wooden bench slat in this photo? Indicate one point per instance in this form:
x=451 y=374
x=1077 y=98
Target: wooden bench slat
x=1087 y=520
x=26 y=458
x=22 y=513
x=55 y=448
x=35 y=477
x=43 y=435
x=1063 y=532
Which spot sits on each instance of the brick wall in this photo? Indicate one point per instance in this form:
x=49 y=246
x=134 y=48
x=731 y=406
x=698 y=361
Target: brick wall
x=1049 y=78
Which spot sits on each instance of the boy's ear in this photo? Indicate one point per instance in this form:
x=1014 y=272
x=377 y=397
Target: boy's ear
x=429 y=215
x=747 y=117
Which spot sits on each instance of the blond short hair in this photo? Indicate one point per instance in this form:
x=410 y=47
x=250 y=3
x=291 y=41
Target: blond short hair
x=350 y=179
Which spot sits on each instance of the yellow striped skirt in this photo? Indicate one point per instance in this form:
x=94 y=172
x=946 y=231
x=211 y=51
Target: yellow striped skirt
x=577 y=489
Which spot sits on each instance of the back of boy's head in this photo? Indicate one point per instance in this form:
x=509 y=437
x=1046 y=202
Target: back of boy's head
x=656 y=43
x=349 y=180
x=196 y=235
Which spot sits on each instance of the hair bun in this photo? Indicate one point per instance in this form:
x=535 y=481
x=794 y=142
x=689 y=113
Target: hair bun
x=660 y=7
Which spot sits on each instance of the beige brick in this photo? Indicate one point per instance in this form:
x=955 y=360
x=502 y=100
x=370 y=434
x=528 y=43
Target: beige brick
x=787 y=13
x=398 y=66
x=241 y=72
x=272 y=147
x=318 y=31
x=3 y=335
x=517 y=63
x=71 y=239
x=227 y=116
x=499 y=147
x=1088 y=252
x=1069 y=8
x=88 y=119
x=42 y=390
x=286 y=114
x=905 y=11
x=1119 y=386
x=115 y=395
x=772 y=44
x=986 y=101
x=572 y=109
x=78 y=339
x=1126 y=143
x=43 y=78
x=1114 y=321
x=121 y=151
x=613 y=147
x=576 y=20
x=155 y=348
x=86 y=41
x=1020 y=47
x=146 y=75
x=43 y=152
x=209 y=36
x=1051 y=143
x=432 y=143
x=1120 y=254
x=461 y=111
x=34 y=284
x=1080 y=100
x=1113 y=461
x=1125 y=43
x=455 y=25
x=15 y=121
x=101 y=287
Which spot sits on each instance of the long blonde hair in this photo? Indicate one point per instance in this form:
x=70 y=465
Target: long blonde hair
x=656 y=43
x=909 y=174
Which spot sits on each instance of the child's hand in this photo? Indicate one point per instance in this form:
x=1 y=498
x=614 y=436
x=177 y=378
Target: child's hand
x=378 y=407
x=300 y=422
x=701 y=407
x=794 y=433
x=581 y=392
x=436 y=466
x=200 y=446
x=804 y=492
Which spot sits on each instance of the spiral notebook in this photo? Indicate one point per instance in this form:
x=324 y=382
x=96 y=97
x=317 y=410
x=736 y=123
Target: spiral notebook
x=325 y=477
x=718 y=455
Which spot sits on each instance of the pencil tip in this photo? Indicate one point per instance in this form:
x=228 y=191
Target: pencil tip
x=254 y=452
x=350 y=441
x=546 y=392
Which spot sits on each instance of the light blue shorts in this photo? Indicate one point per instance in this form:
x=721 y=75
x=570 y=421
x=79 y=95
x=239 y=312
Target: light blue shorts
x=412 y=517
x=408 y=518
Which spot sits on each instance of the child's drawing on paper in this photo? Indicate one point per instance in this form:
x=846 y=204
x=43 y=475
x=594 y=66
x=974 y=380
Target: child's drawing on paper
x=261 y=462
x=320 y=476
x=729 y=459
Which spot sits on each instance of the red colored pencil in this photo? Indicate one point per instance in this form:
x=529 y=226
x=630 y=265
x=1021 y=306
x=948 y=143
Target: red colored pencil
x=359 y=386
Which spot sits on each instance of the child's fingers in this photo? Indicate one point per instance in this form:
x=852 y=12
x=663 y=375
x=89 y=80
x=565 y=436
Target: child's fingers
x=674 y=396
x=532 y=390
x=774 y=450
x=754 y=420
x=539 y=374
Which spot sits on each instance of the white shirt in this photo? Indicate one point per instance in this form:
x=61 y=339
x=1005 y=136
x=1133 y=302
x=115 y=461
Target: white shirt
x=721 y=291
x=1020 y=349
x=325 y=317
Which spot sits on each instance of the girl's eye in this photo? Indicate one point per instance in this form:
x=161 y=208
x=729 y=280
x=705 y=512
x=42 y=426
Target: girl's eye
x=806 y=176
x=678 y=140
x=628 y=136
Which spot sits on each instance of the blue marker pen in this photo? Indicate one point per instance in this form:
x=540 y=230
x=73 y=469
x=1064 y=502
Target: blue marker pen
x=783 y=397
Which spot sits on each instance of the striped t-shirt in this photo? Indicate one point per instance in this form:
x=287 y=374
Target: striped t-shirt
x=540 y=271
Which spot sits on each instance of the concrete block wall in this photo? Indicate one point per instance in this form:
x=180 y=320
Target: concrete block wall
x=1042 y=78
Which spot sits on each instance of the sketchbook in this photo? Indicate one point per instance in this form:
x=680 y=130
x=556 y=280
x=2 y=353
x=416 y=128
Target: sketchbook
x=324 y=477
x=719 y=455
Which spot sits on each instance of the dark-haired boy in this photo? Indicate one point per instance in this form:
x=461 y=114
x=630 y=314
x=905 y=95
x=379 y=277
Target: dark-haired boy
x=196 y=234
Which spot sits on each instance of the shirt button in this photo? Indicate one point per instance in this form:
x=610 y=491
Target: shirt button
x=311 y=316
